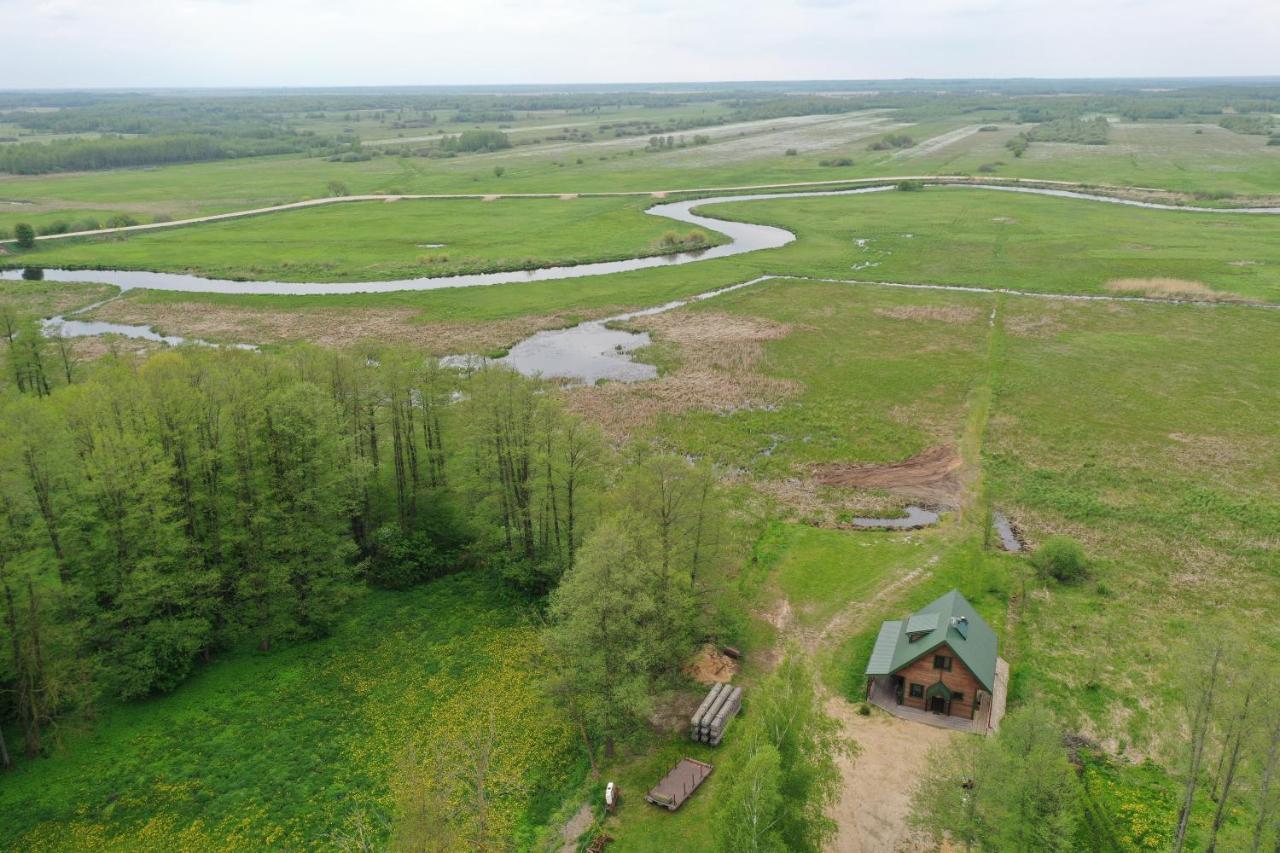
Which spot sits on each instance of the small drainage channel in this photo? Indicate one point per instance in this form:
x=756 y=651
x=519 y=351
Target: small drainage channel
x=1009 y=540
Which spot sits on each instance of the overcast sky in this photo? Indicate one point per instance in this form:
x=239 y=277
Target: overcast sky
x=112 y=43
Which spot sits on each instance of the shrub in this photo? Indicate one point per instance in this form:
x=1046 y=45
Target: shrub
x=121 y=220
x=839 y=161
x=499 y=171
x=988 y=128
x=791 y=152
x=988 y=168
x=893 y=140
x=864 y=710
x=25 y=235
x=1061 y=558
x=56 y=227
x=337 y=188
x=910 y=186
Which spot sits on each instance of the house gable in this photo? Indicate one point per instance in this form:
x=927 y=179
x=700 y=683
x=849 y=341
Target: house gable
x=948 y=621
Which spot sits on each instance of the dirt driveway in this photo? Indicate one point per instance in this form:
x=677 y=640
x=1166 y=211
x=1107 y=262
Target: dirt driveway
x=876 y=797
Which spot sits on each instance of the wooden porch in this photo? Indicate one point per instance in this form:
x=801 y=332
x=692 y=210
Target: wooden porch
x=987 y=720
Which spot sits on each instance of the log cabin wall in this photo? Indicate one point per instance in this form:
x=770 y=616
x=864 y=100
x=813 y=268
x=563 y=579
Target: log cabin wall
x=959 y=678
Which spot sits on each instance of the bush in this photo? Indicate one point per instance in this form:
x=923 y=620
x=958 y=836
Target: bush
x=791 y=152
x=839 y=161
x=910 y=186
x=337 y=188
x=892 y=141
x=499 y=171
x=121 y=220
x=56 y=227
x=988 y=128
x=1061 y=558
x=25 y=235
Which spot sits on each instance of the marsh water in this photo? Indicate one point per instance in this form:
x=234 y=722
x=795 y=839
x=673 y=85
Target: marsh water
x=917 y=516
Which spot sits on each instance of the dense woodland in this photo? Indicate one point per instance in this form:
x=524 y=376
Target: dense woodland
x=156 y=513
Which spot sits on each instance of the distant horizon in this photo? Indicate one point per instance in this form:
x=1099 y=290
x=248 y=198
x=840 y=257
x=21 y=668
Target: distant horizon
x=382 y=43
x=652 y=85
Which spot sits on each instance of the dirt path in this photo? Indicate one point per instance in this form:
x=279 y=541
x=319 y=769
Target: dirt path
x=578 y=824
x=876 y=797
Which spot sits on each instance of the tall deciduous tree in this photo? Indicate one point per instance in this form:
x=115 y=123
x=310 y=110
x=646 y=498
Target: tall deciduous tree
x=1013 y=791
x=611 y=633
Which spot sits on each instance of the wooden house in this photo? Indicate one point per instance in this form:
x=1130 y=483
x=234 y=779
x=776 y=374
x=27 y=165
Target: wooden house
x=941 y=659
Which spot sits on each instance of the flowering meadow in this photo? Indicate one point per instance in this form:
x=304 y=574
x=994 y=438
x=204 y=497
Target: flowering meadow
x=301 y=747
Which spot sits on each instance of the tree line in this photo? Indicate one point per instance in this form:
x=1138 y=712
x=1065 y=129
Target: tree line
x=113 y=152
x=155 y=513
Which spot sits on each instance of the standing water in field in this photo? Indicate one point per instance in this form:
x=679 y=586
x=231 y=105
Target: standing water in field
x=589 y=352
x=917 y=516
x=1009 y=540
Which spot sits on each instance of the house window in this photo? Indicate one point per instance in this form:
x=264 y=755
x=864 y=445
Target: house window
x=917 y=691
x=957 y=696
x=942 y=662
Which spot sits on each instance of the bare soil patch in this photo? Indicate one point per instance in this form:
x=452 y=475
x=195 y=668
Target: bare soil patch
x=330 y=327
x=719 y=357
x=932 y=475
x=1171 y=288
x=670 y=712
x=710 y=666
x=876 y=797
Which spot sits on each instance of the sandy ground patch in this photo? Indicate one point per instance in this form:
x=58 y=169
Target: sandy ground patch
x=719 y=355
x=932 y=475
x=330 y=327
x=1171 y=288
x=876 y=798
x=711 y=666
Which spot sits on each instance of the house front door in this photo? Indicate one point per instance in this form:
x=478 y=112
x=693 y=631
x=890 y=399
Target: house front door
x=938 y=705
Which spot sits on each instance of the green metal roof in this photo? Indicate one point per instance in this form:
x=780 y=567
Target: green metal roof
x=973 y=642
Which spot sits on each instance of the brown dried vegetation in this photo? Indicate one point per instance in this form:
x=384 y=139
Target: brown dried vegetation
x=719 y=359
x=331 y=327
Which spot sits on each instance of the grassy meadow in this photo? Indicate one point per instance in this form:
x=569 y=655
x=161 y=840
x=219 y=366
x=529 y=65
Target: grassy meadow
x=293 y=749
x=1145 y=431
x=367 y=241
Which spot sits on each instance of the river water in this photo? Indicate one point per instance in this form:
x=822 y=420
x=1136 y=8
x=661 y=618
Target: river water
x=589 y=352
x=743 y=237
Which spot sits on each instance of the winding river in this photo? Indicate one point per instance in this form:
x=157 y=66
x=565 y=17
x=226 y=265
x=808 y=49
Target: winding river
x=744 y=237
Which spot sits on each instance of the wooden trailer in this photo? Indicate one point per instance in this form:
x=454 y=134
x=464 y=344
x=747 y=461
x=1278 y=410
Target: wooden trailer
x=679 y=783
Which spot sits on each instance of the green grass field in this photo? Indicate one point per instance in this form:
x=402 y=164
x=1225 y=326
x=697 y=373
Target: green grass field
x=1145 y=431
x=1171 y=155
x=286 y=750
x=365 y=241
